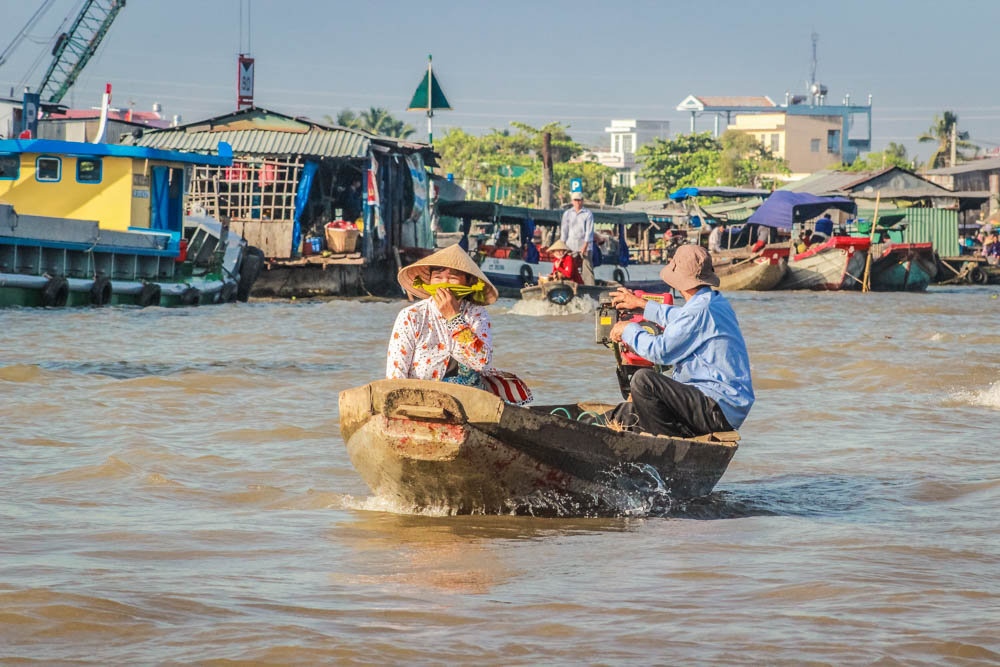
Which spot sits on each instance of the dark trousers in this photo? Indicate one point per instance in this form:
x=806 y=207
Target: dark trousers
x=663 y=406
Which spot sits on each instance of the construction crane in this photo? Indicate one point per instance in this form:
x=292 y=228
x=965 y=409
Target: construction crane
x=74 y=48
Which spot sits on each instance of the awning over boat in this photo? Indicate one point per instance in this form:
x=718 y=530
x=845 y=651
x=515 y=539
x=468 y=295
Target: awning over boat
x=721 y=191
x=489 y=211
x=783 y=208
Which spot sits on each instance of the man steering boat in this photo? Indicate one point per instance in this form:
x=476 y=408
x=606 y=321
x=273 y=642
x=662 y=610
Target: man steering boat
x=711 y=389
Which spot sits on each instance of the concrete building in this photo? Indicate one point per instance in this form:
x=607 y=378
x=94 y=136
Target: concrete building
x=626 y=137
x=808 y=134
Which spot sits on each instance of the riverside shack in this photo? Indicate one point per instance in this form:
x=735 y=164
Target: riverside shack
x=290 y=176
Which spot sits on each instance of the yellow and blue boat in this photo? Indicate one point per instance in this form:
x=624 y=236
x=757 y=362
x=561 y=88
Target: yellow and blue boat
x=98 y=224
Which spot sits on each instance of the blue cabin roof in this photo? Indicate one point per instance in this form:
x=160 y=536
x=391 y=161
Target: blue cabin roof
x=82 y=149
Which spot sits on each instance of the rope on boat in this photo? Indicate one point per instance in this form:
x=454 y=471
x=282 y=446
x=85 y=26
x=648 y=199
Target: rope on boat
x=597 y=419
x=568 y=415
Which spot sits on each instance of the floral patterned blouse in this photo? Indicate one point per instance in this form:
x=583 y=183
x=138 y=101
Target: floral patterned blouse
x=423 y=341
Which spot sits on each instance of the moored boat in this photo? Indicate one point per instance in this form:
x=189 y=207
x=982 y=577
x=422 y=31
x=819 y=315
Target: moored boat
x=897 y=267
x=834 y=265
x=749 y=270
x=438 y=445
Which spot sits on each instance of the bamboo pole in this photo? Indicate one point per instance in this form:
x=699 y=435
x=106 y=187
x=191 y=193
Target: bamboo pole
x=866 y=284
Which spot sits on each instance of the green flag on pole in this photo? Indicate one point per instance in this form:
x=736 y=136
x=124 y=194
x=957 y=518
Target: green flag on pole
x=427 y=97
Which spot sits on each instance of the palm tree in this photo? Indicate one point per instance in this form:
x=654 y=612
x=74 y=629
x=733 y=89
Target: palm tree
x=376 y=120
x=940 y=132
x=346 y=118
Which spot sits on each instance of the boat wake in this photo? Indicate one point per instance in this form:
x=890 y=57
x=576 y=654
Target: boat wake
x=538 y=308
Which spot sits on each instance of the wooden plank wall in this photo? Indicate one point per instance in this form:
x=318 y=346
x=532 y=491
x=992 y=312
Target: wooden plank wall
x=273 y=238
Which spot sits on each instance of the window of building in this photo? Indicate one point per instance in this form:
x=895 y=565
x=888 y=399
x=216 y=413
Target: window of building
x=627 y=144
x=88 y=170
x=833 y=141
x=10 y=167
x=616 y=143
x=814 y=145
x=48 y=169
x=775 y=143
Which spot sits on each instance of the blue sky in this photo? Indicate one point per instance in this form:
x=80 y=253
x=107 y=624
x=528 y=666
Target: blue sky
x=579 y=62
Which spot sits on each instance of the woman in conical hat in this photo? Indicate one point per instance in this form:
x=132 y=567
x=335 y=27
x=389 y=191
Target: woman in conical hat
x=563 y=264
x=446 y=335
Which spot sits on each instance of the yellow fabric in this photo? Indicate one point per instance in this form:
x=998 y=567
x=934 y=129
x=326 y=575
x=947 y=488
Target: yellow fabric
x=477 y=291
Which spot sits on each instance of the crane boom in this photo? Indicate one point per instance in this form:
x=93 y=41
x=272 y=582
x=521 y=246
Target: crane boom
x=74 y=48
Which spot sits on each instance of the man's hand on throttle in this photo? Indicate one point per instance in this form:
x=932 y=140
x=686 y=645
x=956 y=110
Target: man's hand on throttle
x=616 y=331
x=624 y=299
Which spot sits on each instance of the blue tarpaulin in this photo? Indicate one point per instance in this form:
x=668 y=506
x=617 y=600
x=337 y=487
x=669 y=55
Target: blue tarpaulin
x=528 y=248
x=160 y=205
x=783 y=208
x=622 y=247
x=301 y=197
x=721 y=191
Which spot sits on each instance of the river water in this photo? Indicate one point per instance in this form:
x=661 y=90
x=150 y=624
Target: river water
x=175 y=489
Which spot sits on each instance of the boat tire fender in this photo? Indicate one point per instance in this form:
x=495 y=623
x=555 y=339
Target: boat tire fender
x=619 y=276
x=190 y=297
x=55 y=294
x=100 y=291
x=149 y=295
x=527 y=275
x=978 y=276
x=250 y=269
x=228 y=293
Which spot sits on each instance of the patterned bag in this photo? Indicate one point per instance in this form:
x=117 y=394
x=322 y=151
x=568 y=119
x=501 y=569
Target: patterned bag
x=507 y=386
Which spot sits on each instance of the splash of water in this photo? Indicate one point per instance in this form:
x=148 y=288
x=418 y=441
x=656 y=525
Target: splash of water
x=984 y=398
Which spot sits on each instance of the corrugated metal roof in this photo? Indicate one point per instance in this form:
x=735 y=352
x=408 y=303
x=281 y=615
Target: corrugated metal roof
x=736 y=101
x=316 y=142
x=830 y=181
x=975 y=165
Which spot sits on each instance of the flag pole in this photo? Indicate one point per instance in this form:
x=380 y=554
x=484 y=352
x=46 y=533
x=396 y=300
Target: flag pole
x=430 y=103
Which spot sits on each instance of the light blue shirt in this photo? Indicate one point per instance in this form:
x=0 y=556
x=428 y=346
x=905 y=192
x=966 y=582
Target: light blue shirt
x=702 y=340
x=577 y=229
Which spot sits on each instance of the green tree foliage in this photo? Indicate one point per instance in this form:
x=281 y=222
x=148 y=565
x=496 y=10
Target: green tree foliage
x=509 y=162
x=893 y=156
x=376 y=120
x=940 y=132
x=734 y=159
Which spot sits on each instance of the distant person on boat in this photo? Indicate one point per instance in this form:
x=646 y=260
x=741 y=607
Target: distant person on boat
x=503 y=239
x=715 y=238
x=577 y=231
x=822 y=230
x=446 y=335
x=711 y=389
x=563 y=266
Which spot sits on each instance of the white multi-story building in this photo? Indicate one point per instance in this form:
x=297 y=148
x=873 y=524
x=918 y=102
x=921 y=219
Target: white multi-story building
x=627 y=136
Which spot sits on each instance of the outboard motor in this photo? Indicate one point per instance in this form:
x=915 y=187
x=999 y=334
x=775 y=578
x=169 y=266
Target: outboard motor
x=627 y=361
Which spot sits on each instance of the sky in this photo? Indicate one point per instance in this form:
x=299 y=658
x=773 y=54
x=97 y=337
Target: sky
x=581 y=63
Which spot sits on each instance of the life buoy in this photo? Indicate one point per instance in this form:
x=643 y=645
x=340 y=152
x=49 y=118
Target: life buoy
x=978 y=276
x=190 y=297
x=55 y=294
x=527 y=275
x=149 y=295
x=619 y=276
x=100 y=291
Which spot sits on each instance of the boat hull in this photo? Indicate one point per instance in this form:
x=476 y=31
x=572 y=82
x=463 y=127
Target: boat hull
x=835 y=265
x=903 y=267
x=561 y=292
x=437 y=445
x=761 y=271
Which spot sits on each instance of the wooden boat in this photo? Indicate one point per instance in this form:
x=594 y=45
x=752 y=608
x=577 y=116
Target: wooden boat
x=746 y=270
x=562 y=292
x=438 y=445
x=834 y=265
x=899 y=267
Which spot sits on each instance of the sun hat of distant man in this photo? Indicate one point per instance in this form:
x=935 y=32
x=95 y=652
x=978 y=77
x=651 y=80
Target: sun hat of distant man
x=452 y=257
x=576 y=195
x=690 y=267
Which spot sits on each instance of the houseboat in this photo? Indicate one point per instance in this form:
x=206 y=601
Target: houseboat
x=97 y=224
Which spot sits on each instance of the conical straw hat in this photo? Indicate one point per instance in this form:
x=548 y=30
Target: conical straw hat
x=559 y=245
x=452 y=257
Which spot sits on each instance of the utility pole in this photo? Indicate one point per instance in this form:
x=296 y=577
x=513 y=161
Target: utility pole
x=546 y=170
x=954 y=140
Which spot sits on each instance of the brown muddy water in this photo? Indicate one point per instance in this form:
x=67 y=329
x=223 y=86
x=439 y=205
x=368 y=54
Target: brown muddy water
x=175 y=490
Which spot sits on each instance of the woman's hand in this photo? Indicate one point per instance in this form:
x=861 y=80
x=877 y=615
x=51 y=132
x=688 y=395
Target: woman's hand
x=446 y=303
x=624 y=299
